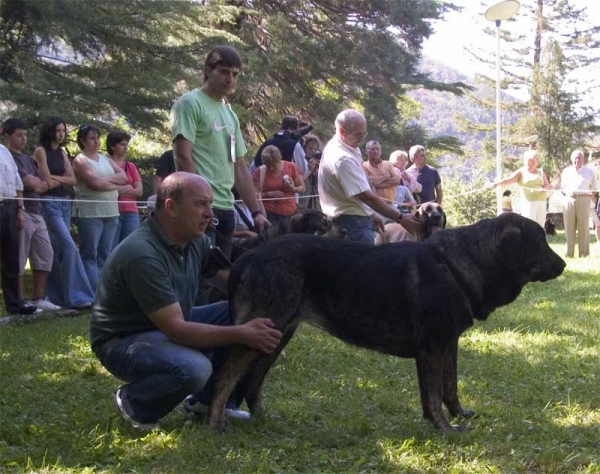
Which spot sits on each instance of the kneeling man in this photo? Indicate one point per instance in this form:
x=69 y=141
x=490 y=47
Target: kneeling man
x=144 y=328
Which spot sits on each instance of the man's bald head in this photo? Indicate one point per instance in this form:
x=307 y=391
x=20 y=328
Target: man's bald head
x=349 y=119
x=175 y=186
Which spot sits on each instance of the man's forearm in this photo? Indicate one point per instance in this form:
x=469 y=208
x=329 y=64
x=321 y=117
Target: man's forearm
x=245 y=186
x=379 y=205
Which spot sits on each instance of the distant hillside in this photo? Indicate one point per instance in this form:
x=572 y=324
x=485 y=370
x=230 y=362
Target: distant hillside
x=440 y=108
x=439 y=116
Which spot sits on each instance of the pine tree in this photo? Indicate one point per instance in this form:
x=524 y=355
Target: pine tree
x=101 y=60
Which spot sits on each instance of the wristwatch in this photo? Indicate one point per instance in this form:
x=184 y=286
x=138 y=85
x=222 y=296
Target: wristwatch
x=256 y=213
x=400 y=217
x=21 y=207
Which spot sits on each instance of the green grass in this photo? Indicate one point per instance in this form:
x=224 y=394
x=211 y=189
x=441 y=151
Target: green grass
x=531 y=372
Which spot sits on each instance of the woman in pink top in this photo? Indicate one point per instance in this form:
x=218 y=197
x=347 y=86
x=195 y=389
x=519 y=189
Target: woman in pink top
x=117 y=143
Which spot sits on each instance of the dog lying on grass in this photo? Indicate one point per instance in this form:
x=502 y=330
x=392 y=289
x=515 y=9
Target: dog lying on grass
x=353 y=291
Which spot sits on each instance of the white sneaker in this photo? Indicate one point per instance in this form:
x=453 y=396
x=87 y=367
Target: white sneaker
x=44 y=304
x=191 y=405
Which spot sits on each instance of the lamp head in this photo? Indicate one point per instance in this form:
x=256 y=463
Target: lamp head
x=502 y=10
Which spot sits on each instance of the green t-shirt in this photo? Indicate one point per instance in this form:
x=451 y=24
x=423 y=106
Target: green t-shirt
x=209 y=124
x=146 y=272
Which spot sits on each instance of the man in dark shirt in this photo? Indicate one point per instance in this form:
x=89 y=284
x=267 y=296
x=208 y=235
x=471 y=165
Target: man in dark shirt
x=164 y=167
x=35 y=243
x=426 y=175
x=144 y=328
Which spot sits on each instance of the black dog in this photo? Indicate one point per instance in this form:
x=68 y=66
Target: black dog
x=549 y=226
x=308 y=221
x=456 y=276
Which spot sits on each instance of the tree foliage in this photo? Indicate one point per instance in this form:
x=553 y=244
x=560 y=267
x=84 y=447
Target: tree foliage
x=101 y=60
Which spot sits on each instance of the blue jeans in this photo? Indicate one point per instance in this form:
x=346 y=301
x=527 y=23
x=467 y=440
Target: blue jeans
x=359 y=228
x=96 y=235
x=275 y=218
x=160 y=373
x=224 y=232
x=127 y=223
x=68 y=285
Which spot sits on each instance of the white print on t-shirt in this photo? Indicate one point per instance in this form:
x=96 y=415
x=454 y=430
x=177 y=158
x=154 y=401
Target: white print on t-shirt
x=218 y=128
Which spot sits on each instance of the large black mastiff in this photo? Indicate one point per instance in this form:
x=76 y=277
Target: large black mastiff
x=352 y=291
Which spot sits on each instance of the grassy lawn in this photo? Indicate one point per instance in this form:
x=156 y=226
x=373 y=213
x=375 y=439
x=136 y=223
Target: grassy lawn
x=531 y=372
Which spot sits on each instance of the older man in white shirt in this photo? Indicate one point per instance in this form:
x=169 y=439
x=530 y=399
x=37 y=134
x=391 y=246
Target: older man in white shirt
x=577 y=182
x=344 y=190
x=12 y=219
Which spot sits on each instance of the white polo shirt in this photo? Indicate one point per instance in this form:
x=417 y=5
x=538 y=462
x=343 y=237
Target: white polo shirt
x=573 y=182
x=10 y=181
x=341 y=178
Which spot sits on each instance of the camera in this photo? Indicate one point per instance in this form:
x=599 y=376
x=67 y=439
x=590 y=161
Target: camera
x=317 y=155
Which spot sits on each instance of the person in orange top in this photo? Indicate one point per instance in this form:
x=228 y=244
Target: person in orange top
x=278 y=179
x=381 y=174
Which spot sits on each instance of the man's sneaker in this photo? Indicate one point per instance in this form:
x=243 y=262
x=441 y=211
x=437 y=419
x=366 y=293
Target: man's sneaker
x=120 y=406
x=191 y=405
x=44 y=304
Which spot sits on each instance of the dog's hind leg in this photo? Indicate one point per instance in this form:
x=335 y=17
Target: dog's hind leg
x=450 y=388
x=252 y=383
x=226 y=379
x=430 y=370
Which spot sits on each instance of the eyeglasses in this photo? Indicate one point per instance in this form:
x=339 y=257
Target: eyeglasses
x=360 y=135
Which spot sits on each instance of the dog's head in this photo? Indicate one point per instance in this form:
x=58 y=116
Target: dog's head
x=311 y=221
x=432 y=218
x=524 y=250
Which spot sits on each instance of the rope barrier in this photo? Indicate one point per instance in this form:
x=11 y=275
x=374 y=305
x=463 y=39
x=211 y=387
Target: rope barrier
x=144 y=204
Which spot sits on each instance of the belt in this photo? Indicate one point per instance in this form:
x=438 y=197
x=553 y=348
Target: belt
x=7 y=202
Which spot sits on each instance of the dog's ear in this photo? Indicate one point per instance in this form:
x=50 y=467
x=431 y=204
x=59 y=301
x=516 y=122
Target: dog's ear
x=299 y=223
x=510 y=243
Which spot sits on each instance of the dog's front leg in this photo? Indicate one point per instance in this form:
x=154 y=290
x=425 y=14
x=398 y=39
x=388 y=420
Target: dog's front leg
x=231 y=372
x=430 y=370
x=450 y=389
x=251 y=385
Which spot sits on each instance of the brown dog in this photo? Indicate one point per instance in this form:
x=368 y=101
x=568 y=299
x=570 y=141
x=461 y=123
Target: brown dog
x=455 y=277
x=430 y=215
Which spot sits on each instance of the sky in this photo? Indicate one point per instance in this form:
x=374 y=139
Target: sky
x=465 y=29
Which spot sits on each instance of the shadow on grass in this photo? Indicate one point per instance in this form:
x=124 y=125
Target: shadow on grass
x=530 y=372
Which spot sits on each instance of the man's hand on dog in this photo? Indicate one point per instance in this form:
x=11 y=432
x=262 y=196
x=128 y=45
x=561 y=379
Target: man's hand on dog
x=377 y=223
x=260 y=334
x=261 y=222
x=410 y=223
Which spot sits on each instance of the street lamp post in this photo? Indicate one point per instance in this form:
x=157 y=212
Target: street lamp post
x=500 y=11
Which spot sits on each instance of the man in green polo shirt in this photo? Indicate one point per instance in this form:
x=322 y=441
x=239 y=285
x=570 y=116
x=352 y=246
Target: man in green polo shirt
x=207 y=140
x=144 y=328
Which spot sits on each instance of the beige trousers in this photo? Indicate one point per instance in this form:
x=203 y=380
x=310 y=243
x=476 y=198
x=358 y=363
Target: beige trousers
x=576 y=219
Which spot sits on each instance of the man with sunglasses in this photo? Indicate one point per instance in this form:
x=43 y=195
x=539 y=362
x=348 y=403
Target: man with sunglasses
x=344 y=190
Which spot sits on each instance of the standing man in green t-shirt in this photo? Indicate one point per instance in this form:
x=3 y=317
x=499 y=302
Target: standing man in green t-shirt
x=207 y=140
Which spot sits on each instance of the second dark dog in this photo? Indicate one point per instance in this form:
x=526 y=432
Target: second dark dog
x=308 y=221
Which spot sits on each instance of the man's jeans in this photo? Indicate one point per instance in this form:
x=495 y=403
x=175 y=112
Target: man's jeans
x=161 y=373
x=127 y=223
x=96 y=236
x=359 y=228
x=68 y=284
